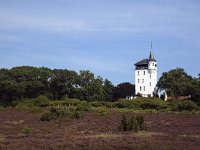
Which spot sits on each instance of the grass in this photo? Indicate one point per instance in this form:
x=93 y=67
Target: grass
x=27 y=130
x=2 y=138
x=134 y=110
x=196 y=136
x=107 y=135
x=149 y=134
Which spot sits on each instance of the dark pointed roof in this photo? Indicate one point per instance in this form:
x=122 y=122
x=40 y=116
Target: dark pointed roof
x=142 y=62
x=151 y=56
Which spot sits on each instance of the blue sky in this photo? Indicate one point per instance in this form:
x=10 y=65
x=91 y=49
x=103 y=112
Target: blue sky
x=104 y=36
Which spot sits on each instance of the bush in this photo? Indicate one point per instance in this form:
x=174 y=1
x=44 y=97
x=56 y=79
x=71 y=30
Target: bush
x=150 y=103
x=101 y=104
x=133 y=124
x=187 y=105
x=56 y=103
x=41 y=101
x=74 y=102
x=14 y=103
x=84 y=106
x=26 y=130
x=142 y=103
x=25 y=103
x=124 y=104
x=58 y=113
x=102 y=111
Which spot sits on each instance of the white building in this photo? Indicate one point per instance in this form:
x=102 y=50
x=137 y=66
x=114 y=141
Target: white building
x=146 y=76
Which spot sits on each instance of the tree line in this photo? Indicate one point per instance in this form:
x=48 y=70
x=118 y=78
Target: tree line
x=29 y=82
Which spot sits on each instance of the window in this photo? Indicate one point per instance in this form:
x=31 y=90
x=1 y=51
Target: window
x=138 y=80
x=150 y=76
x=144 y=88
x=144 y=72
x=153 y=64
x=142 y=80
x=138 y=73
x=140 y=88
x=150 y=83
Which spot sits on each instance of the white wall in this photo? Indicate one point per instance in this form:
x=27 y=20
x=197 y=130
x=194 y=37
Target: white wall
x=146 y=80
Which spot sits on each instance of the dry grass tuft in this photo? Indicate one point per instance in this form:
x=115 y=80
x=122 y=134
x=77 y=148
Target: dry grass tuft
x=2 y=138
x=195 y=136
x=149 y=134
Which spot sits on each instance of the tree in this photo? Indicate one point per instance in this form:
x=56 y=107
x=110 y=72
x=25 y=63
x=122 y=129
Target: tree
x=123 y=89
x=30 y=82
x=178 y=83
x=108 y=89
x=63 y=83
x=90 y=87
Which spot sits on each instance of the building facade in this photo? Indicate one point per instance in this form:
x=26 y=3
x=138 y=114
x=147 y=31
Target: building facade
x=146 y=76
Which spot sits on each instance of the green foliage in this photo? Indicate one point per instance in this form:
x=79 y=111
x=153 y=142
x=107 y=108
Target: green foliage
x=28 y=82
x=84 y=106
x=150 y=103
x=25 y=103
x=41 y=101
x=90 y=87
x=142 y=103
x=108 y=89
x=102 y=111
x=123 y=89
x=101 y=104
x=57 y=103
x=73 y=102
x=66 y=102
x=187 y=105
x=133 y=124
x=63 y=83
x=58 y=113
x=178 y=83
x=27 y=130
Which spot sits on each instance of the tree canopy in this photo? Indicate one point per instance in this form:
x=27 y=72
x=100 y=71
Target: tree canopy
x=178 y=83
x=124 y=89
x=30 y=82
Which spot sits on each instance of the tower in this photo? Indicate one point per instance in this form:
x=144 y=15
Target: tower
x=146 y=76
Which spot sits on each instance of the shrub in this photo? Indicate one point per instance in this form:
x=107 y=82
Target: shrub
x=140 y=122
x=26 y=130
x=187 y=105
x=41 y=101
x=133 y=124
x=142 y=103
x=101 y=104
x=58 y=113
x=124 y=104
x=14 y=103
x=103 y=111
x=56 y=103
x=150 y=103
x=25 y=103
x=74 y=102
x=84 y=106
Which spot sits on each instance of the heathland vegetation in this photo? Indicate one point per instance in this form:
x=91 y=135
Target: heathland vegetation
x=63 y=109
x=72 y=93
